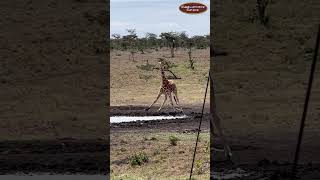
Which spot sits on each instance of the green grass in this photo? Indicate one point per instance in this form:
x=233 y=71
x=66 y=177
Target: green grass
x=173 y=140
x=151 y=155
x=134 y=177
x=138 y=159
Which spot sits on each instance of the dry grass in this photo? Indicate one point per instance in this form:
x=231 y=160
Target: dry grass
x=133 y=86
x=169 y=154
x=165 y=161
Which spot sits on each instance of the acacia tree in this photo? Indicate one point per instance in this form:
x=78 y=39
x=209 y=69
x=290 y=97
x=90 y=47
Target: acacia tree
x=191 y=62
x=169 y=38
x=200 y=42
x=142 y=44
x=130 y=42
x=183 y=39
x=152 y=40
x=115 y=41
x=185 y=42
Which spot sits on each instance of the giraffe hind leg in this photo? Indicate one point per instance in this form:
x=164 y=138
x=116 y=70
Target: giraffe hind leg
x=175 y=96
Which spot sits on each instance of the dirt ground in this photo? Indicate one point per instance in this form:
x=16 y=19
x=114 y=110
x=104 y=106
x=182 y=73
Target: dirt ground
x=264 y=155
x=152 y=137
x=134 y=88
x=132 y=85
x=53 y=80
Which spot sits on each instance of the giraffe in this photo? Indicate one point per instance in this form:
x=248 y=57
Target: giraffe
x=168 y=88
x=215 y=121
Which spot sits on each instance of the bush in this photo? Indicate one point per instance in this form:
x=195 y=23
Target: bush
x=173 y=140
x=153 y=139
x=146 y=67
x=198 y=166
x=138 y=159
x=156 y=152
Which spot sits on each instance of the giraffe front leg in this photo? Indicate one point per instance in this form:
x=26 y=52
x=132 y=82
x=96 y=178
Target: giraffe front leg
x=160 y=92
x=171 y=102
x=164 y=101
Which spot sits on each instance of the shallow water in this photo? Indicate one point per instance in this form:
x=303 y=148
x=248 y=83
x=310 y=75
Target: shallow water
x=53 y=177
x=119 y=119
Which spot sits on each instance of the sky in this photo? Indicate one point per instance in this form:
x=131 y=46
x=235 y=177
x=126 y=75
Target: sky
x=156 y=16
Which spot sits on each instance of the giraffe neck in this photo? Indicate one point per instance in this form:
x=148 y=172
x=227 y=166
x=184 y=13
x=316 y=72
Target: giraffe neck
x=163 y=77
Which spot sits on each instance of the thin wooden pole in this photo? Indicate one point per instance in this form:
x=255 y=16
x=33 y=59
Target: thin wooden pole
x=195 y=148
x=305 y=110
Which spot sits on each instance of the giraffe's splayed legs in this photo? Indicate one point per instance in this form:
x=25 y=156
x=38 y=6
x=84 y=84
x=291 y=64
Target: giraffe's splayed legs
x=168 y=88
x=159 y=94
x=170 y=97
x=164 y=101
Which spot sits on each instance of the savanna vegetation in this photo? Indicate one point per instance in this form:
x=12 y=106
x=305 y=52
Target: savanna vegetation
x=172 y=40
x=162 y=155
x=135 y=71
x=135 y=82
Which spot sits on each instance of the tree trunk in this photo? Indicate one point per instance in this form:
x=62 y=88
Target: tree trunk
x=172 y=52
x=172 y=49
x=190 y=58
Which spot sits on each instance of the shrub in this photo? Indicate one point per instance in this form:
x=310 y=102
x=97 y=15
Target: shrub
x=173 y=140
x=207 y=147
x=153 y=139
x=138 y=159
x=156 y=152
x=198 y=166
x=146 y=67
x=145 y=77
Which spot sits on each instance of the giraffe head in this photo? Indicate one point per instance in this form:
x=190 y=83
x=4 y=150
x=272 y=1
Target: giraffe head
x=163 y=63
